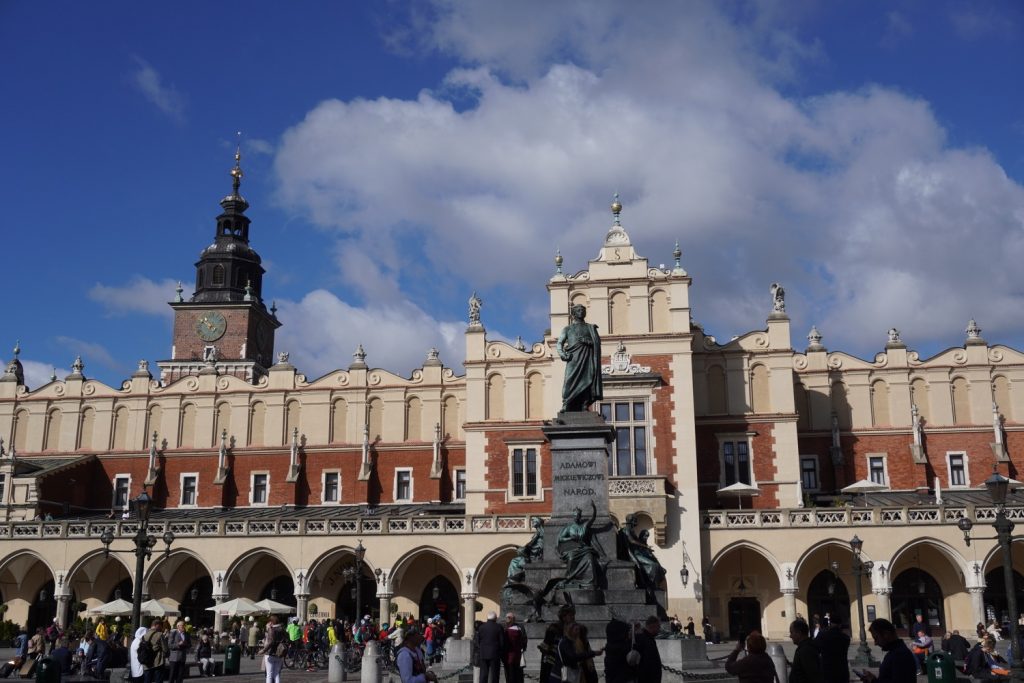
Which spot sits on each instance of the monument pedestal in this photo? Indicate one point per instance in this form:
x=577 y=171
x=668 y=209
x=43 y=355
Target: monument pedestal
x=580 y=452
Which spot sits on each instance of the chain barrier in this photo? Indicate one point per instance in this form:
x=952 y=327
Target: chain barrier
x=692 y=676
x=453 y=674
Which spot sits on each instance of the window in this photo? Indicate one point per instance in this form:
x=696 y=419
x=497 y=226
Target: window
x=809 y=472
x=876 y=470
x=630 y=456
x=188 y=489
x=525 y=482
x=3 y=486
x=260 y=488
x=121 y=484
x=735 y=462
x=332 y=481
x=460 y=485
x=403 y=485
x=957 y=467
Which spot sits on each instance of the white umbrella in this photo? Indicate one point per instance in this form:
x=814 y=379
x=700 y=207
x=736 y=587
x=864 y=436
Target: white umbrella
x=739 y=489
x=117 y=607
x=271 y=607
x=155 y=608
x=864 y=486
x=235 y=607
x=938 y=491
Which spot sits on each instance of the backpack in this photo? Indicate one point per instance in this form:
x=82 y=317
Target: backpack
x=145 y=653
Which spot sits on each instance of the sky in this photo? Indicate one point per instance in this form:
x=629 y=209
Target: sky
x=868 y=156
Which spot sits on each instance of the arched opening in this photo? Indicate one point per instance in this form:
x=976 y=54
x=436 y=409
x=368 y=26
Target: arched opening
x=995 y=587
x=195 y=603
x=827 y=595
x=495 y=397
x=43 y=609
x=880 y=404
x=916 y=592
x=717 y=403
x=332 y=587
x=760 y=390
x=414 y=419
x=440 y=597
x=122 y=591
x=280 y=589
x=743 y=590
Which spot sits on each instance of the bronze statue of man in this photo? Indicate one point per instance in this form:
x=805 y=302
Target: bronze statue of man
x=580 y=347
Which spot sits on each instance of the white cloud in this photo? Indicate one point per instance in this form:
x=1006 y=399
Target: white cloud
x=90 y=352
x=37 y=373
x=847 y=198
x=139 y=295
x=321 y=332
x=165 y=97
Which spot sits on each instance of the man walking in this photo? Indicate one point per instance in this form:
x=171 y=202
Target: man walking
x=649 y=669
x=154 y=671
x=490 y=642
x=806 y=660
x=834 y=646
x=898 y=665
x=515 y=639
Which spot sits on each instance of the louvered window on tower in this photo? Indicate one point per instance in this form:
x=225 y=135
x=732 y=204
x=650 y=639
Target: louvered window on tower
x=218 y=276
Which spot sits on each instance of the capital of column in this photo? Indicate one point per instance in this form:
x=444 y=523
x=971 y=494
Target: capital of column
x=385 y=595
x=976 y=589
x=789 y=591
x=887 y=590
x=469 y=596
x=220 y=597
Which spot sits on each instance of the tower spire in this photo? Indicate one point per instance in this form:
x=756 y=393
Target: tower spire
x=236 y=172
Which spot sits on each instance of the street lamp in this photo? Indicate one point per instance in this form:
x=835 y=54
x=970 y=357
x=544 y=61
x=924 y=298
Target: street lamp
x=144 y=543
x=355 y=573
x=859 y=568
x=998 y=486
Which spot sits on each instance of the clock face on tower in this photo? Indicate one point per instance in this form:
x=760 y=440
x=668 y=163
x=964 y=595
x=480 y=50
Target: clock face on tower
x=211 y=326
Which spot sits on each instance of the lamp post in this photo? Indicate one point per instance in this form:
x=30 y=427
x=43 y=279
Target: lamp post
x=859 y=568
x=144 y=543
x=355 y=573
x=998 y=486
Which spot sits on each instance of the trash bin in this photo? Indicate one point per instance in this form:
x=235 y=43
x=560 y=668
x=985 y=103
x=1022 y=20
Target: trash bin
x=47 y=671
x=940 y=668
x=232 y=659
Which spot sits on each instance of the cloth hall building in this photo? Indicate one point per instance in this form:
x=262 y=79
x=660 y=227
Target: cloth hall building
x=269 y=479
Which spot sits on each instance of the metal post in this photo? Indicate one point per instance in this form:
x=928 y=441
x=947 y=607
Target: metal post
x=860 y=568
x=141 y=548
x=1004 y=530
x=359 y=591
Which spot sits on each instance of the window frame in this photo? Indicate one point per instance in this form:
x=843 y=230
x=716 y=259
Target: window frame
x=817 y=473
x=632 y=424
x=510 y=491
x=394 y=487
x=127 y=495
x=324 y=500
x=966 y=469
x=181 y=490
x=735 y=437
x=455 y=483
x=3 y=488
x=252 y=488
x=884 y=457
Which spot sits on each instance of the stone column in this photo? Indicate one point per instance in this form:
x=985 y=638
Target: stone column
x=218 y=618
x=789 y=596
x=302 y=607
x=882 y=598
x=469 y=615
x=977 y=603
x=62 y=611
x=385 y=607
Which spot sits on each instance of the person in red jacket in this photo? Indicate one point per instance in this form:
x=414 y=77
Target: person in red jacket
x=515 y=639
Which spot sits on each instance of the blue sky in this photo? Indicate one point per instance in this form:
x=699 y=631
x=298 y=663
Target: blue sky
x=867 y=155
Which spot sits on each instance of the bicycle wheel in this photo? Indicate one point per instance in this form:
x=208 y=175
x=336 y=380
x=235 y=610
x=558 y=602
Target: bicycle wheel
x=289 y=658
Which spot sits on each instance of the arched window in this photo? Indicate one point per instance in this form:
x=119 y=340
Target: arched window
x=717 y=402
x=339 y=421
x=413 y=420
x=880 y=404
x=1001 y=395
x=293 y=420
x=450 y=418
x=376 y=419
x=218 y=276
x=535 y=396
x=154 y=422
x=257 y=421
x=51 y=437
x=20 y=430
x=961 y=402
x=760 y=392
x=579 y=300
x=187 y=431
x=223 y=421
x=120 y=436
x=618 y=313
x=841 y=405
x=919 y=395
x=803 y=405
x=659 y=311
x=495 y=397
x=85 y=430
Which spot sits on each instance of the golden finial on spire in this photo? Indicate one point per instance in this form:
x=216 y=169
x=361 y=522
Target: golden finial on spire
x=236 y=172
x=616 y=208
